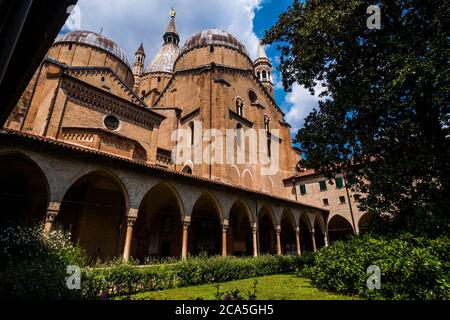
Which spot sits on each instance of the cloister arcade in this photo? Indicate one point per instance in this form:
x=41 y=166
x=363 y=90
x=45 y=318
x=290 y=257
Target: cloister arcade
x=118 y=210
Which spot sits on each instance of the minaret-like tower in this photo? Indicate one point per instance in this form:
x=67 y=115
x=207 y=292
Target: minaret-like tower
x=160 y=70
x=139 y=60
x=263 y=69
x=171 y=35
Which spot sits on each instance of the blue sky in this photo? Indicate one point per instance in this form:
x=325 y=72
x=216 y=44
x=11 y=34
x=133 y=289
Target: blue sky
x=128 y=22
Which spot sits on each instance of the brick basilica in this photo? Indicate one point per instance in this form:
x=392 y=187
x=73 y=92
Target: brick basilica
x=90 y=147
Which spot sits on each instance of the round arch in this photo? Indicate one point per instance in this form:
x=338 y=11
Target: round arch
x=94 y=210
x=247 y=178
x=235 y=175
x=101 y=172
x=364 y=223
x=188 y=167
x=157 y=229
x=288 y=226
x=240 y=230
x=269 y=185
x=205 y=234
x=339 y=228
x=24 y=190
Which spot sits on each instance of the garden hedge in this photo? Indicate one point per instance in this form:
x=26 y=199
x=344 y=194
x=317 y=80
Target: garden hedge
x=411 y=267
x=126 y=279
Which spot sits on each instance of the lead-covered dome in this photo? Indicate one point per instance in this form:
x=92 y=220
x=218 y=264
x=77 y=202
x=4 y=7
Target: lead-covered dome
x=95 y=40
x=215 y=37
x=165 y=59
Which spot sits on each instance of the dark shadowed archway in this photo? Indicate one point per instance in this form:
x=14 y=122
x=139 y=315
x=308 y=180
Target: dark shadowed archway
x=157 y=232
x=24 y=191
x=339 y=229
x=205 y=232
x=288 y=240
x=364 y=223
x=94 y=211
x=239 y=230
x=319 y=234
x=305 y=235
x=266 y=228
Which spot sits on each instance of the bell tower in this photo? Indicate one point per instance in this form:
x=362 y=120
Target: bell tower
x=263 y=69
x=139 y=60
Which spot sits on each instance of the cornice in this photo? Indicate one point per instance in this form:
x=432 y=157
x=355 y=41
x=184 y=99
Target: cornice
x=107 y=103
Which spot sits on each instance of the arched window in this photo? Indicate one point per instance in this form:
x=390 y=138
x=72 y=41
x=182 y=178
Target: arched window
x=187 y=170
x=240 y=107
x=239 y=134
x=269 y=148
x=264 y=75
x=143 y=93
x=258 y=74
x=252 y=96
x=191 y=128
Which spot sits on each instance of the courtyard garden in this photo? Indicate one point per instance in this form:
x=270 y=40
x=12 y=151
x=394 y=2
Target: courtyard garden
x=34 y=267
x=274 y=287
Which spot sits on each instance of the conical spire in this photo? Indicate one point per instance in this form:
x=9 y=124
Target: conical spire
x=261 y=52
x=171 y=34
x=141 y=49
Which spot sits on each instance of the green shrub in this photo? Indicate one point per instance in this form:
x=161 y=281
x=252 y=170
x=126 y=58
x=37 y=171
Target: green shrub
x=32 y=267
x=124 y=279
x=411 y=267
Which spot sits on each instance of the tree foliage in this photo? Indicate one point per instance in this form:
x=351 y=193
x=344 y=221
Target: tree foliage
x=384 y=116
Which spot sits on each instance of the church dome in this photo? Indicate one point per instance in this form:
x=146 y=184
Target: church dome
x=96 y=40
x=215 y=37
x=165 y=59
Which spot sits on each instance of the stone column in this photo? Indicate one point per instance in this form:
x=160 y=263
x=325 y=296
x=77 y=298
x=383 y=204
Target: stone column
x=297 y=238
x=325 y=238
x=184 y=246
x=52 y=212
x=224 y=237
x=255 y=240
x=278 y=232
x=356 y=229
x=129 y=236
x=313 y=238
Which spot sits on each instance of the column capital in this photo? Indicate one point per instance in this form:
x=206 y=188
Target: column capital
x=225 y=223
x=54 y=206
x=131 y=221
x=254 y=227
x=278 y=229
x=186 y=221
x=52 y=211
x=297 y=231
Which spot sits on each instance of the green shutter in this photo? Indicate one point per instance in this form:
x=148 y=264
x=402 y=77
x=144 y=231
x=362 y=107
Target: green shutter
x=339 y=183
x=323 y=185
x=302 y=189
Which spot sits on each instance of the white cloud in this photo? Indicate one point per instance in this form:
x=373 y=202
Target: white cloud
x=128 y=22
x=300 y=103
x=277 y=82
